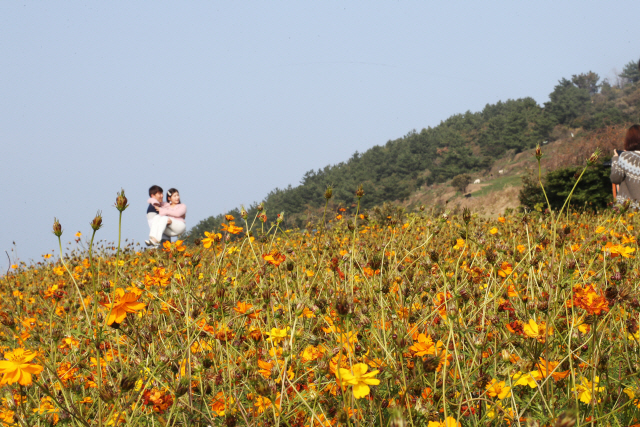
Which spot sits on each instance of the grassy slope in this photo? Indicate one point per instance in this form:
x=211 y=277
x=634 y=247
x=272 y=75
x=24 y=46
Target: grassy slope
x=498 y=192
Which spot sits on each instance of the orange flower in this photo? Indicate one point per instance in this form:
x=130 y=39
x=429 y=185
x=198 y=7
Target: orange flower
x=505 y=269
x=616 y=250
x=220 y=403
x=123 y=304
x=210 y=239
x=231 y=228
x=229 y=217
x=17 y=367
x=274 y=258
x=424 y=346
x=549 y=368
x=178 y=246
x=265 y=368
x=243 y=308
x=590 y=299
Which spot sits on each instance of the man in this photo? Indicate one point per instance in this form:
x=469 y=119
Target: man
x=156 y=195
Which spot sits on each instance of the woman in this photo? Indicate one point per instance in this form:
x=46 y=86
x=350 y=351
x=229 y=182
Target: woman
x=625 y=168
x=170 y=220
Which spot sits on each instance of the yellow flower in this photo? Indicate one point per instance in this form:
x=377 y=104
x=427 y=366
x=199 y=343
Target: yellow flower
x=124 y=303
x=494 y=230
x=498 y=389
x=276 y=335
x=584 y=390
x=632 y=396
x=210 y=239
x=536 y=330
x=459 y=244
x=358 y=378
x=448 y=422
x=78 y=234
x=521 y=248
x=527 y=379
x=17 y=367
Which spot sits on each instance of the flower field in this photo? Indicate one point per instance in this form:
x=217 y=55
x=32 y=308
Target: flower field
x=418 y=320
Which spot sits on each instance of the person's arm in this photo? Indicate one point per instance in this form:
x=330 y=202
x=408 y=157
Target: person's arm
x=617 y=173
x=177 y=211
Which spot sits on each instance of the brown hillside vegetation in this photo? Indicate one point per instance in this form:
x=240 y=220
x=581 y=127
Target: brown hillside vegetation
x=497 y=192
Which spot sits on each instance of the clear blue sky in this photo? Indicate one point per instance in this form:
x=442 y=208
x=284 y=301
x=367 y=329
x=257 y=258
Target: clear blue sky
x=228 y=100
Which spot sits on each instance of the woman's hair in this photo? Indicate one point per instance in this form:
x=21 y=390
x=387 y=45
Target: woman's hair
x=632 y=139
x=170 y=193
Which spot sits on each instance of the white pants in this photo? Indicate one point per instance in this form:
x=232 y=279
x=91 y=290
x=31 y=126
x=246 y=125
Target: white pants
x=159 y=227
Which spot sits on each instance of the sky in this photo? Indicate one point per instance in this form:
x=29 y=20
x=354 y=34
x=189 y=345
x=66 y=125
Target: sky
x=226 y=101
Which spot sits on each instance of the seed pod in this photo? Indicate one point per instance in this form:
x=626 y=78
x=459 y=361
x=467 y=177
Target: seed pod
x=107 y=394
x=430 y=363
x=128 y=382
x=230 y=421
x=183 y=386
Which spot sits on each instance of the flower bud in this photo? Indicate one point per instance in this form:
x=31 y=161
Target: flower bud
x=594 y=157
x=243 y=212
x=359 y=191
x=121 y=201
x=538 y=152
x=567 y=419
x=57 y=228
x=328 y=193
x=96 y=224
x=280 y=217
x=260 y=207
x=466 y=215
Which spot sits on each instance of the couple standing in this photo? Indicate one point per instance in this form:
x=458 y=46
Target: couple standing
x=166 y=219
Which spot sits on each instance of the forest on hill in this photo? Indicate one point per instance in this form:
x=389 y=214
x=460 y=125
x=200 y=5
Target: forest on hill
x=464 y=143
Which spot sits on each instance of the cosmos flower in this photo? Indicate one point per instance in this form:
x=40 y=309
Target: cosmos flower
x=124 y=303
x=17 y=367
x=358 y=377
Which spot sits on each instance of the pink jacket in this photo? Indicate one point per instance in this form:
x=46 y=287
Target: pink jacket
x=178 y=212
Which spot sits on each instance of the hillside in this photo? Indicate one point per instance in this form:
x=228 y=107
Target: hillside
x=499 y=191
x=416 y=167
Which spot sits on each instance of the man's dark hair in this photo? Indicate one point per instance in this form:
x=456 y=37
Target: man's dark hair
x=632 y=139
x=155 y=189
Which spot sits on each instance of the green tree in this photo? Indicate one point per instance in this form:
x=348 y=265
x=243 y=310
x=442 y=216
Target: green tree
x=592 y=192
x=567 y=102
x=631 y=72
x=461 y=182
x=588 y=81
